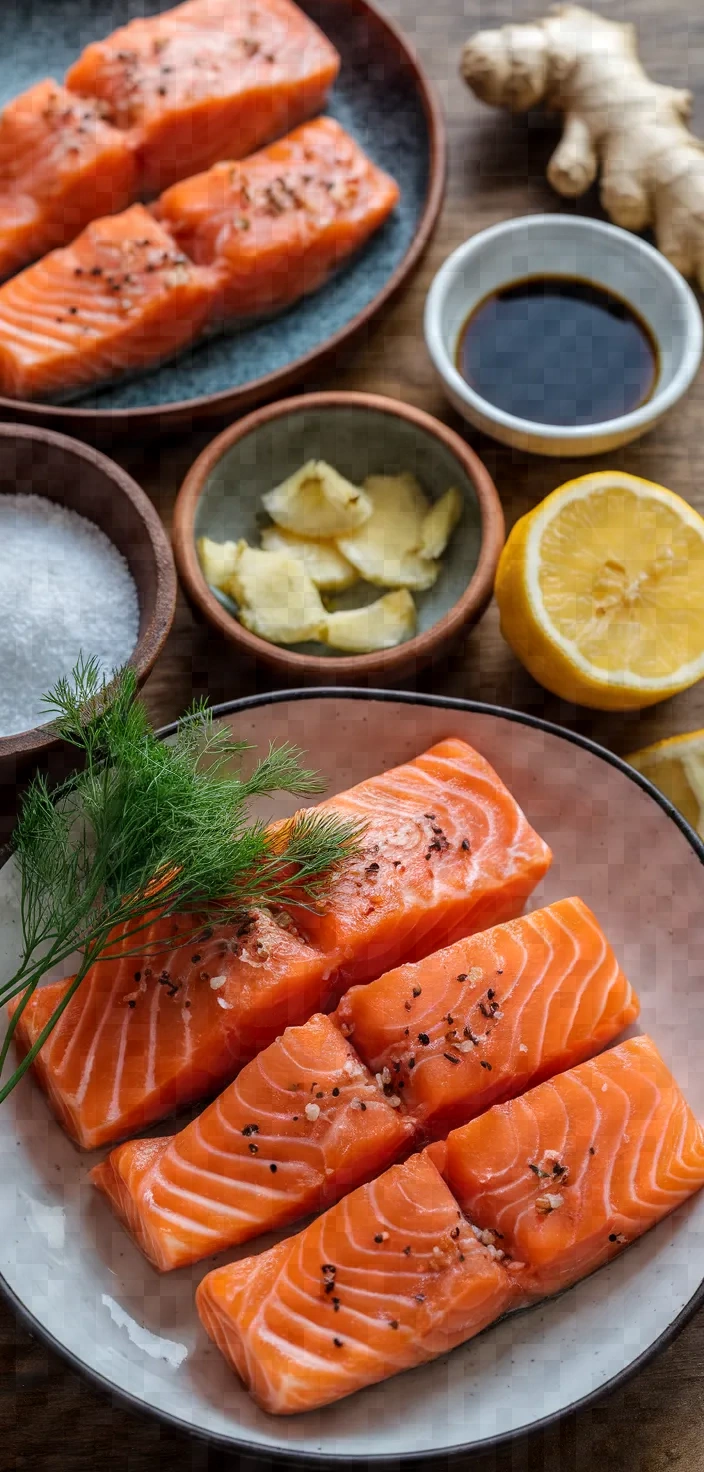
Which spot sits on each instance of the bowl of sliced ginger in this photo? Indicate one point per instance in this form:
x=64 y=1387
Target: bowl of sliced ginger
x=339 y=537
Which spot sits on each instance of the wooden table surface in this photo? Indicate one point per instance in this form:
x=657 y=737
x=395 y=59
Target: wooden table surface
x=49 y=1417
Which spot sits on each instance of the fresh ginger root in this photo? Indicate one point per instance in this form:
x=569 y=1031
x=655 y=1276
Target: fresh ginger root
x=577 y=63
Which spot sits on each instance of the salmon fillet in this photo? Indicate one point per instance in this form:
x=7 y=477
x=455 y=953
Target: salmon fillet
x=389 y=1278
x=562 y=991
x=61 y=165
x=204 y=82
x=447 y=850
x=121 y=297
x=554 y=1184
x=492 y=1015
x=303 y=1124
x=278 y=224
x=576 y=1169
x=127 y=293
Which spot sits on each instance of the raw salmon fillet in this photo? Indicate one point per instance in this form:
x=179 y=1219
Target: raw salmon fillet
x=61 y=165
x=490 y=1016
x=576 y=1169
x=447 y=851
x=562 y=990
x=302 y=1124
x=389 y=1278
x=204 y=82
x=276 y=225
x=121 y=297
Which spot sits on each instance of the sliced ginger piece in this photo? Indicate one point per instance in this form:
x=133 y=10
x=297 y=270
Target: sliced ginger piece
x=275 y=596
x=381 y=625
x=439 y=524
x=217 y=560
x=384 y=550
x=317 y=502
x=325 y=565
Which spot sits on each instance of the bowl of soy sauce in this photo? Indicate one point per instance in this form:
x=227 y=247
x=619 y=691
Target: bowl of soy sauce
x=562 y=335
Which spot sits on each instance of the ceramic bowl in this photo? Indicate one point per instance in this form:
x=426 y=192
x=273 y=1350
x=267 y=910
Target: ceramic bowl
x=40 y=462
x=565 y=245
x=360 y=434
x=80 y=1283
x=382 y=97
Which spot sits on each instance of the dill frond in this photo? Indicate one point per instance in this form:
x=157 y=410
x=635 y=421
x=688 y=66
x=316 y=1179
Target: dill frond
x=148 y=829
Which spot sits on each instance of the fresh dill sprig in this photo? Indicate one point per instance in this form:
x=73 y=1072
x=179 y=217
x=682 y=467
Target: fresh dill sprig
x=147 y=830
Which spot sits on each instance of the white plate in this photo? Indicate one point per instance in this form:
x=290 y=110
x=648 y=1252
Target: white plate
x=73 y=1273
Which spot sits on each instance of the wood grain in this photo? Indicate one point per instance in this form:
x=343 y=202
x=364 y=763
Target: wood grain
x=49 y=1417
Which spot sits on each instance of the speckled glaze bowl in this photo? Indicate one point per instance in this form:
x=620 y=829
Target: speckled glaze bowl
x=360 y=434
x=382 y=97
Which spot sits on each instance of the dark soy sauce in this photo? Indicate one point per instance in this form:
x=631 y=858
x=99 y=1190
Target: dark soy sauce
x=558 y=350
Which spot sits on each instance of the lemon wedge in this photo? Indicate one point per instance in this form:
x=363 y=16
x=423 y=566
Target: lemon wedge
x=676 y=766
x=601 y=592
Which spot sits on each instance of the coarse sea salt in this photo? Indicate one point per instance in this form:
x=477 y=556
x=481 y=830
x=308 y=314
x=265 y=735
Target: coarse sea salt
x=65 y=591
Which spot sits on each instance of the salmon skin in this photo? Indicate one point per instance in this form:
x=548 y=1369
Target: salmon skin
x=302 y=1124
x=492 y=1015
x=61 y=166
x=88 y=313
x=207 y=81
x=389 y=1278
x=538 y=1193
x=275 y=226
x=121 y=297
x=447 y=850
x=562 y=991
x=576 y=1169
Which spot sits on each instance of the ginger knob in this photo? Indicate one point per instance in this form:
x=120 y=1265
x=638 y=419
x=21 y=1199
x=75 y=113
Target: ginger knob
x=616 y=120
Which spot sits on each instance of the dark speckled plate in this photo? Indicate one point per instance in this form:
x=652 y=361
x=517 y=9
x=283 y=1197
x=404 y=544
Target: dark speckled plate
x=381 y=97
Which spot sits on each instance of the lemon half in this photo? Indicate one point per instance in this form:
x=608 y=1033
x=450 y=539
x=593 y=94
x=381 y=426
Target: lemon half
x=601 y=592
x=676 y=766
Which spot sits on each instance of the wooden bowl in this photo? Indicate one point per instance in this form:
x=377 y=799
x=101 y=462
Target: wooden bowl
x=360 y=434
x=44 y=463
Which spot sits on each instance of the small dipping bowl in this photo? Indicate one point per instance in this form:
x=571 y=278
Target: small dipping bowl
x=360 y=435
x=569 y=246
x=39 y=462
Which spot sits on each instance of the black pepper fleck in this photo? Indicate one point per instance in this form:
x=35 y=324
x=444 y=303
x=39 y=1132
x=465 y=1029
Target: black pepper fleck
x=273 y=1168
x=423 y=1039
x=486 y=1065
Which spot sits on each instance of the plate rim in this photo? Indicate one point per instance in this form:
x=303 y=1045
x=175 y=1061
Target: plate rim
x=183 y=413
x=450 y=1454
